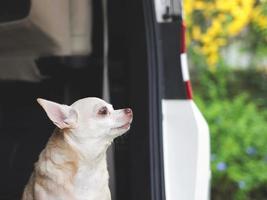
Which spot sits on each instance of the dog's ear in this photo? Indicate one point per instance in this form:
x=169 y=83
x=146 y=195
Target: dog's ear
x=62 y=116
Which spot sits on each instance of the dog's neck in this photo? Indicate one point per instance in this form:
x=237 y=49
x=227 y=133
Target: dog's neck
x=92 y=166
x=90 y=149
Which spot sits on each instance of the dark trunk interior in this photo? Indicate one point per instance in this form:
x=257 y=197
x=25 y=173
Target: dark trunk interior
x=24 y=127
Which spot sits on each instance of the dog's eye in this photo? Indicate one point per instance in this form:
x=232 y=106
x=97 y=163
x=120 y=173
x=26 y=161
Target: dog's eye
x=103 y=111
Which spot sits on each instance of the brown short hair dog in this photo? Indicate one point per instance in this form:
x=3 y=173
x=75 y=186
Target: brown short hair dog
x=73 y=164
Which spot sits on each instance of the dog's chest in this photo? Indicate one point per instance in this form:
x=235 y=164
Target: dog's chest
x=91 y=183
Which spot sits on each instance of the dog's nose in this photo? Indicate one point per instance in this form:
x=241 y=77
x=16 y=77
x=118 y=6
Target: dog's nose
x=128 y=111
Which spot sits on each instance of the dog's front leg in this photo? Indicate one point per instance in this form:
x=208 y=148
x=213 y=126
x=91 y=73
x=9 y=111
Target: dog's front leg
x=41 y=194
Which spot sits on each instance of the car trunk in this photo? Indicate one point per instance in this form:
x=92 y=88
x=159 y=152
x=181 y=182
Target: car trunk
x=25 y=129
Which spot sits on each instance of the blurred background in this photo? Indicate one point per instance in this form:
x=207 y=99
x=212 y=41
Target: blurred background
x=66 y=50
x=227 y=47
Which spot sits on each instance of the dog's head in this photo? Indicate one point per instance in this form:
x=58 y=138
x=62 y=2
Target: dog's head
x=90 y=117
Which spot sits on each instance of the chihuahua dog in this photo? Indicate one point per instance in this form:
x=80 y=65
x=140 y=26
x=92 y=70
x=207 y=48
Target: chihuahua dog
x=73 y=164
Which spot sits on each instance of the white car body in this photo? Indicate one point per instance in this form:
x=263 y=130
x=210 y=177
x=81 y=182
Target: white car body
x=186 y=147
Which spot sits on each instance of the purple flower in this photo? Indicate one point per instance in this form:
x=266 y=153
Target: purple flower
x=241 y=184
x=221 y=166
x=251 y=151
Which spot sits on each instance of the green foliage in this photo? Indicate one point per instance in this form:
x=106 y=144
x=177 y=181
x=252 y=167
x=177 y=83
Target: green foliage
x=237 y=122
x=238 y=141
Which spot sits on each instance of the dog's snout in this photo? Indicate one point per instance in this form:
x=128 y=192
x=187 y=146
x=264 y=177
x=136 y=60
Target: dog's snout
x=128 y=111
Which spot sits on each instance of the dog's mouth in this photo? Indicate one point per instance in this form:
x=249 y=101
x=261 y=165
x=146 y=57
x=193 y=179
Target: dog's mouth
x=125 y=126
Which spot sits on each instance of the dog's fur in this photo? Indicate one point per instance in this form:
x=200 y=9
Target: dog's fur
x=73 y=164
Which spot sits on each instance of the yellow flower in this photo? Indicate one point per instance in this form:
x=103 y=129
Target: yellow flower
x=223 y=5
x=221 y=17
x=196 y=33
x=259 y=19
x=211 y=7
x=199 y=5
x=205 y=50
x=212 y=60
x=215 y=28
x=188 y=8
x=221 y=20
x=205 y=39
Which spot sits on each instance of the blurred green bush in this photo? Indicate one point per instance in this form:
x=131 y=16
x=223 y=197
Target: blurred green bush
x=238 y=127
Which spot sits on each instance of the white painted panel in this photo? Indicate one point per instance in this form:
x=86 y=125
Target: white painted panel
x=186 y=151
x=184 y=64
x=161 y=6
x=160 y=9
